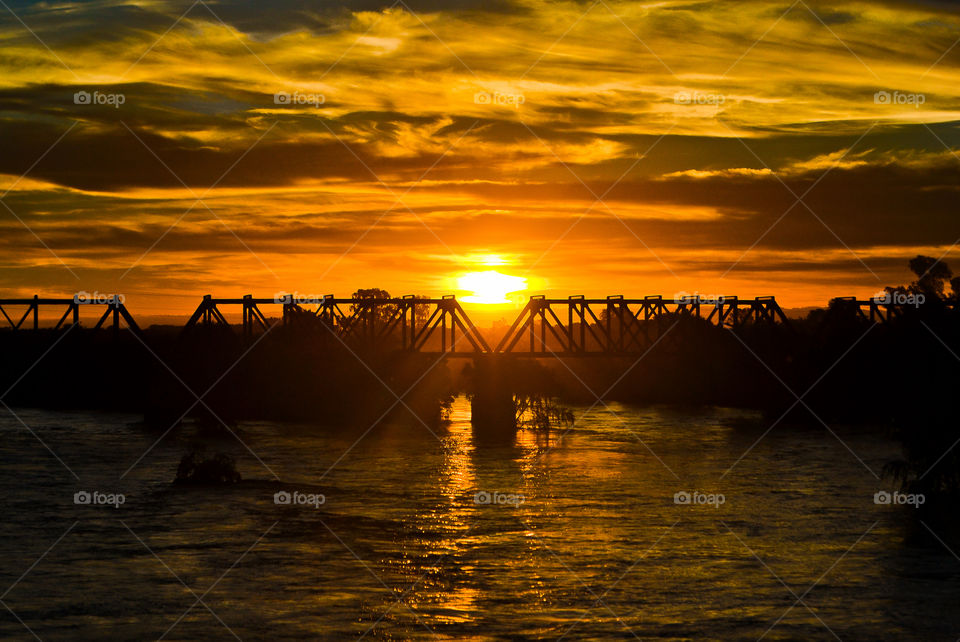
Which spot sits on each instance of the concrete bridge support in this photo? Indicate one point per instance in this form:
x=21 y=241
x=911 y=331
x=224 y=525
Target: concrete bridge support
x=493 y=412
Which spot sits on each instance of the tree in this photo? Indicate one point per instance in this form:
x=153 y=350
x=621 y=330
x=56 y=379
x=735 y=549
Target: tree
x=382 y=312
x=421 y=311
x=955 y=287
x=931 y=276
x=370 y=293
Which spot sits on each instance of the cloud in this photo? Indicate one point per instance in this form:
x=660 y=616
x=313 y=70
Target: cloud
x=582 y=100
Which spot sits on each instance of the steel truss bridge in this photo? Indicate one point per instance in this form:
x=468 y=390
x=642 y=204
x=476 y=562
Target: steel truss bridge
x=574 y=326
x=593 y=327
x=114 y=312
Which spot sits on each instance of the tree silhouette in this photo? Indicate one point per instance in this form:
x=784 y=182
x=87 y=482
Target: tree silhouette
x=381 y=313
x=421 y=311
x=931 y=276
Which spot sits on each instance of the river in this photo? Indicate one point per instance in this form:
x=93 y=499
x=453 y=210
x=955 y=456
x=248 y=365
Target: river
x=647 y=523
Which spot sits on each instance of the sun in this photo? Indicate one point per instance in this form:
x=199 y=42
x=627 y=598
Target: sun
x=490 y=286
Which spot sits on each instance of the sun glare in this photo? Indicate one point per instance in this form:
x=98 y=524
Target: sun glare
x=490 y=286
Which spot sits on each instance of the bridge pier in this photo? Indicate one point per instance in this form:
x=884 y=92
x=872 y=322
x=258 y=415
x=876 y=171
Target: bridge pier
x=492 y=409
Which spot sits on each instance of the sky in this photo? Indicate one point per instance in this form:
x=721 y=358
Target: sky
x=164 y=150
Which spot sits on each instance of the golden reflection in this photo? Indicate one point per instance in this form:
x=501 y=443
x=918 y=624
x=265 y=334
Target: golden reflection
x=457 y=477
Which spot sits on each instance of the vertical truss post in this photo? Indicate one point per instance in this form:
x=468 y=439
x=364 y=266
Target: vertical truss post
x=449 y=304
x=656 y=302
x=609 y=346
x=443 y=327
x=543 y=325
x=576 y=304
x=115 y=304
x=408 y=305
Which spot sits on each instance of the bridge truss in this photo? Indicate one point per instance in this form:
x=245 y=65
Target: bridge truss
x=114 y=315
x=877 y=310
x=616 y=325
x=409 y=323
x=574 y=326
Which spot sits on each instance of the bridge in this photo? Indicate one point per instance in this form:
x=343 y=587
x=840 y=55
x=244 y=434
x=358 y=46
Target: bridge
x=114 y=312
x=574 y=326
x=592 y=327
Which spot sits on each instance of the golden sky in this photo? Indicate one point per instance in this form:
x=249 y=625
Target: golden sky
x=171 y=149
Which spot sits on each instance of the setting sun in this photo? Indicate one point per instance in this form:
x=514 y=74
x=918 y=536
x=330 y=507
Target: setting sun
x=490 y=286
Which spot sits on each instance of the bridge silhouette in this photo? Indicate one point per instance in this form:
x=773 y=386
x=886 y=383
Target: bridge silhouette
x=114 y=311
x=572 y=326
x=614 y=325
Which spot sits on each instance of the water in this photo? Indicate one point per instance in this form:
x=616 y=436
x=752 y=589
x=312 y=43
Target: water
x=401 y=549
